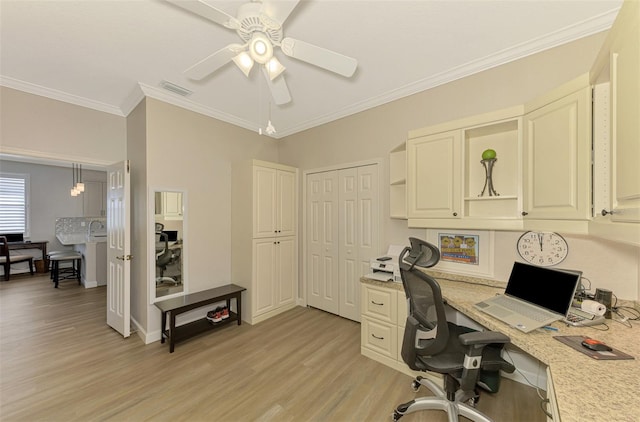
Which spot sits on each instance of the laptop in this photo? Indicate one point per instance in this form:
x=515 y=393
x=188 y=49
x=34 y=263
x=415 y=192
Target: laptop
x=534 y=297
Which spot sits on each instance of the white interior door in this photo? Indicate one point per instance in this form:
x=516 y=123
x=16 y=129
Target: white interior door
x=119 y=248
x=358 y=233
x=322 y=241
x=342 y=222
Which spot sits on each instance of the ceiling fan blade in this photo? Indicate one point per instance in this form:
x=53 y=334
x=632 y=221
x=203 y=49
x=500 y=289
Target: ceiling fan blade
x=318 y=56
x=278 y=10
x=206 y=11
x=278 y=88
x=213 y=62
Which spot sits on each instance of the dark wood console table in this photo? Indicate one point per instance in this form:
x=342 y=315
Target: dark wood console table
x=191 y=301
x=30 y=245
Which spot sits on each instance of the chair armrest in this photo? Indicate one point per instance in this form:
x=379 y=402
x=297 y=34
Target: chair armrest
x=482 y=337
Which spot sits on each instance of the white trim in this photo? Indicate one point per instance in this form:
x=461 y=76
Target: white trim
x=151 y=268
x=174 y=99
x=51 y=159
x=55 y=94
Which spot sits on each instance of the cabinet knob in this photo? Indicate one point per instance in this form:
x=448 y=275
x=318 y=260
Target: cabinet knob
x=605 y=212
x=455 y=214
x=524 y=213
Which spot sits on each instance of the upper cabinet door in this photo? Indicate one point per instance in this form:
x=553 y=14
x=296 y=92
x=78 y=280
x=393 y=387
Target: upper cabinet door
x=274 y=202
x=557 y=146
x=264 y=202
x=625 y=115
x=286 y=210
x=433 y=176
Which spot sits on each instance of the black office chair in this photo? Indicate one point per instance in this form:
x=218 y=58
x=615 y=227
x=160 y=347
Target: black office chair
x=466 y=358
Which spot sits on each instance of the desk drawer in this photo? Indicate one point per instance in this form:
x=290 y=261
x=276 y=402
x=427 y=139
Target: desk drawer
x=380 y=304
x=379 y=337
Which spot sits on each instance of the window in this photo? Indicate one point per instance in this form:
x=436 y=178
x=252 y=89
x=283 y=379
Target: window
x=14 y=203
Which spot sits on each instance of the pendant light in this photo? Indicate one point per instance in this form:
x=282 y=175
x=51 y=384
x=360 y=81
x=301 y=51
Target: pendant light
x=77 y=187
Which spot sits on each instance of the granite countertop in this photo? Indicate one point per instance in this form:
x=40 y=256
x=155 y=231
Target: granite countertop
x=586 y=389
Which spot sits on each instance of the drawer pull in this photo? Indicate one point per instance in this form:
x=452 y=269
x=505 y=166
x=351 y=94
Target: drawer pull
x=376 y=303
x=376 y=337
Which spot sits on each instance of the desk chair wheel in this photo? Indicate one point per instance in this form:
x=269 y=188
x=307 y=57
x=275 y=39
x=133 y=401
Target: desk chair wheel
x=415 y=385
x=395 y=416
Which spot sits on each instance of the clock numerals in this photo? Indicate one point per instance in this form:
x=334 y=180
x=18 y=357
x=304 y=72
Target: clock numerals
x=544 y=249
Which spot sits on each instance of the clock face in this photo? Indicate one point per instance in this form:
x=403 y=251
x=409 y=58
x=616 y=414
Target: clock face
x=542 y=248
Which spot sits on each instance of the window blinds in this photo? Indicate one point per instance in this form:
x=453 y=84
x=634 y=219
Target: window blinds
x=13 y=203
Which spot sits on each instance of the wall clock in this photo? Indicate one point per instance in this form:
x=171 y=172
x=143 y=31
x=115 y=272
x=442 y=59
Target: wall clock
x=542 y=248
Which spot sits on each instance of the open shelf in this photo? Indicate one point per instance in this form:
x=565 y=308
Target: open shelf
x=504 y=138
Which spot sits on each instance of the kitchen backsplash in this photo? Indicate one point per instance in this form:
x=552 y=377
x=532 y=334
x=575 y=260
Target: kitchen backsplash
x=80 y=225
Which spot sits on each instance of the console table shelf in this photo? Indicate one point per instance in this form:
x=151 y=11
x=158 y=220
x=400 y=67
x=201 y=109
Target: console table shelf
x=179 y=305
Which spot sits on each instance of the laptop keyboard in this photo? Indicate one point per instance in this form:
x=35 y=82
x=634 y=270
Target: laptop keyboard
x=521 y=308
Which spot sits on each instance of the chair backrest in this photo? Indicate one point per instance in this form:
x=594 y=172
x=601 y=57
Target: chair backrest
x=4 y=246
x=426 y=315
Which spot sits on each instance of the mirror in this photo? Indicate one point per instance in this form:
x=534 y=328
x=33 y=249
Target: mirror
x=168 y=244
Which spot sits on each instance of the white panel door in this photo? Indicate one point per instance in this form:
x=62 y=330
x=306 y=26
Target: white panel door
x=287 y=270
x=264 y=202
x=349 y=240
x=264 y=275
x=119 y=249
x=287 y=223
x=322 y=241
x=358 y=233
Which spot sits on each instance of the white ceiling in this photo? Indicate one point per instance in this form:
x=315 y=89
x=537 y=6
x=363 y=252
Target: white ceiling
x=107 y=54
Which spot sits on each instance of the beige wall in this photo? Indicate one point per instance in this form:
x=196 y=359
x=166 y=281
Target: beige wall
x=41 y=127
x=374 y=133
x=194 y=153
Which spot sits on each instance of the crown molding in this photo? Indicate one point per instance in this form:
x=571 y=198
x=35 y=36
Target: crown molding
x=54 y=94
x=573 y=32
x=174 y=99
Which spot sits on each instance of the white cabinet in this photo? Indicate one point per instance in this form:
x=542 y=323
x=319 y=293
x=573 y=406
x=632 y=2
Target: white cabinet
x=274 y=275
x=617 y=130
x=94 y=199
x=557 y=152
x=384 y=314
x=274 y=204
x=264 y=244
x=169 y=205
x=447 y=180
x=433 y=176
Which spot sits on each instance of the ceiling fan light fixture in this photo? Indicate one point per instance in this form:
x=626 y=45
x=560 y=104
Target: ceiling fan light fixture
x=260 y=48
x=244 y=62
x=274 y=68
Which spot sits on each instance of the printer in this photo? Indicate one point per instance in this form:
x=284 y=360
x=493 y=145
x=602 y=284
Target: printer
x=385 y=268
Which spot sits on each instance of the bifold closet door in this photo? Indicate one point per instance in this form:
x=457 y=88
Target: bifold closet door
x=322 y=241
x=358 y=228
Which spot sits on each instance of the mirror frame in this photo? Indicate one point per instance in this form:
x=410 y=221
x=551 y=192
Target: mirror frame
x=151 y=240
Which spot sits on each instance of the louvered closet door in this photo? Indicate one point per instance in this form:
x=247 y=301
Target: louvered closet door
x=358 y=204
x=322 y=241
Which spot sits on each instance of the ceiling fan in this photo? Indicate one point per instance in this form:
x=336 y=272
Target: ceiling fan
x=259 y=25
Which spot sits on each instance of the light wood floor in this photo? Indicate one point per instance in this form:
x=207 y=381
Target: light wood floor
x=61 y=362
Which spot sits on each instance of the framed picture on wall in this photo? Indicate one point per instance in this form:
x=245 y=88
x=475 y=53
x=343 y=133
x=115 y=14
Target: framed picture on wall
x=464 y=251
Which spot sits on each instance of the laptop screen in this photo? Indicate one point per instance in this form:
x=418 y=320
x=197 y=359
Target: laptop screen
x=549 y=288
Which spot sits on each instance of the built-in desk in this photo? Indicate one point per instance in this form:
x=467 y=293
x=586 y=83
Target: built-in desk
x=585 y=389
